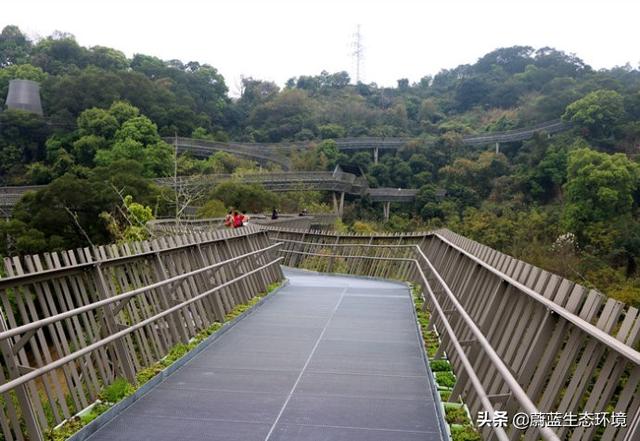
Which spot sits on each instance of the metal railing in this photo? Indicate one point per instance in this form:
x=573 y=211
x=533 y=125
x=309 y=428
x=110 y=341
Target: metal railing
x=520 y=339
x=550 y=127
x=318 y=221
x=73 y=327
x=277 y=152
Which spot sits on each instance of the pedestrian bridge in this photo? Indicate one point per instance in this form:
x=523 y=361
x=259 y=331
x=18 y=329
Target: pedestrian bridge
x=323 y=358
x=326 y=357
x=280 y=153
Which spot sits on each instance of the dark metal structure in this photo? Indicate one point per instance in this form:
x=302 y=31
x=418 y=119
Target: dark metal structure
x=24 y=95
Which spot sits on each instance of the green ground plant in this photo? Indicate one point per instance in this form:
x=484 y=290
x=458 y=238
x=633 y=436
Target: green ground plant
x=121 y=388
x=455 y=415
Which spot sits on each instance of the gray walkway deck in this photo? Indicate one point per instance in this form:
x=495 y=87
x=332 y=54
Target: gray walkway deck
x=326 y=358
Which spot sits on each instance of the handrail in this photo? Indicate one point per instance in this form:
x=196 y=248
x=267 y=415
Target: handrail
x=368 y=245
x=100 y=343
x=504 y=370
x=519 y=393
x=91 y=306
x=611 y=342
x=7 y=282
x=268 y=149
x=616 y=347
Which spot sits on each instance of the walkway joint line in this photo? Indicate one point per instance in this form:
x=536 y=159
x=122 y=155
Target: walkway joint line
x=306 y=364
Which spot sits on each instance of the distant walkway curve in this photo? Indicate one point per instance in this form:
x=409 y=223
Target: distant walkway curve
x=279 y=152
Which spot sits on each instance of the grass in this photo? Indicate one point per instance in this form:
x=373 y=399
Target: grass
x=121 y=388
x=455 y=414
x=445 y=379
x=440 y=366
x=464 y=433
x=116 y=391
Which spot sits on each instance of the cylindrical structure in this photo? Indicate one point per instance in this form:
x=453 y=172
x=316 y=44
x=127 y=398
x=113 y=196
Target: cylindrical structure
x=24 y=95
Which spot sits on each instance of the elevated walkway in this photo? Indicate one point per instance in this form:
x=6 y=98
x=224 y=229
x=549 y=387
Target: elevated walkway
x=325 y=358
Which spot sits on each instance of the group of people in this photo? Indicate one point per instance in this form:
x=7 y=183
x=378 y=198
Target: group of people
x=235 y=219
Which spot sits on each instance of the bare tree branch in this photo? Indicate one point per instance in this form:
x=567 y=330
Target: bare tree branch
x=130 y=213
x=74 y=216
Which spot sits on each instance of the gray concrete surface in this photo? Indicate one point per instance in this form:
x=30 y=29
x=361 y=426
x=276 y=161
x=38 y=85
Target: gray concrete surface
x=327 y=358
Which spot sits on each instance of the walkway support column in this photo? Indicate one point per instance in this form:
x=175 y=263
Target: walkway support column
x=497 y=147
x=386 y=209
x=375 y=155
x=341 y=209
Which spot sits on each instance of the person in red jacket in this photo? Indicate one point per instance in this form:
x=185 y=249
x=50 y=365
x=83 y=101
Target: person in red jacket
x=237 y=219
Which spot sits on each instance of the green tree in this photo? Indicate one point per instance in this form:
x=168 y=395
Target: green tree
x=107 y=58
x=123 y=111
x=22 y=138
x=128 y=224
x=59 y=53
x=251 y=198
x=331 y=131
x=477 y=174
x=97 y=122
x=14 y=46
x=18 y=71
x=599 y=188
x=599 y=112
x=283 y=116
x=211 y=209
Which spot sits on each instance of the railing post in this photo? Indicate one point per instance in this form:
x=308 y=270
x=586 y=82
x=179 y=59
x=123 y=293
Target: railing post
x=177 y=330
x=634 y=427
x=333 y=251
x=13 y=369
x=124 y=359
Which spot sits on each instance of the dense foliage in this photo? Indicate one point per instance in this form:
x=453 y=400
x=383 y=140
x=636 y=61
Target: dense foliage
x=568 y=203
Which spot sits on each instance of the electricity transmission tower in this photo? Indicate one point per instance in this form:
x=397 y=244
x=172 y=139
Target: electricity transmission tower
x=358 y=52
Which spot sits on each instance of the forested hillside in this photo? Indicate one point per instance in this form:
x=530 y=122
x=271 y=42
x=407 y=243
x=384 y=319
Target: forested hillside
x=568 y=203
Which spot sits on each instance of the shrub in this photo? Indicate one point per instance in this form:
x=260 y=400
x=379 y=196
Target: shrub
x=456 y=415
x=440 y=366
x=464 y=433
x=117 y=390
x=445 y=379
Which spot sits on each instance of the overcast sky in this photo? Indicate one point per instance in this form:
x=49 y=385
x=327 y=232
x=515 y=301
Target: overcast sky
x=275 y=40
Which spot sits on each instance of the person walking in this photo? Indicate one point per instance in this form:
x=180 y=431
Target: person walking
x=274 y=214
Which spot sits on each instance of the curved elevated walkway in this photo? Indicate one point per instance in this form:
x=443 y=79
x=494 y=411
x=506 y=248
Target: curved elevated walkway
x=279 y=152
x=324 y=358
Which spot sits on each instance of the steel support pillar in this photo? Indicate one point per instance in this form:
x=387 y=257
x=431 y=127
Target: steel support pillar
x=386 y=207
x=338 y=206
x=375 y=155
x=497 y=147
